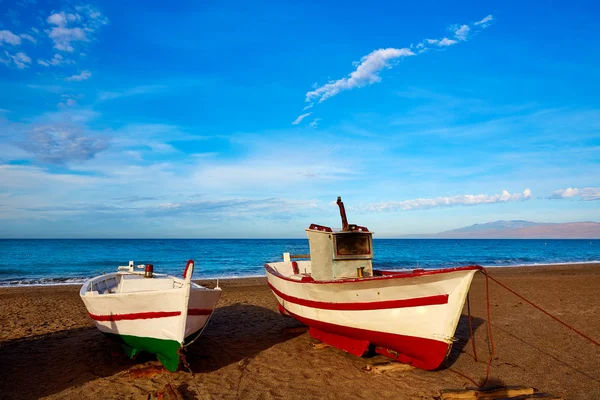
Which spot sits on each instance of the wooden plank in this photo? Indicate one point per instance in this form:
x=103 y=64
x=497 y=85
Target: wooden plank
x=486 y=394
x=380 y=368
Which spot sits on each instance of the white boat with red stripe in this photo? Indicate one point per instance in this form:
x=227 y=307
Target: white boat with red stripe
x=410 y=316
x=150 y=312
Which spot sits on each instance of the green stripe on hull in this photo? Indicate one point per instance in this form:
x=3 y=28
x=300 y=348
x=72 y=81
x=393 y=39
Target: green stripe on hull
x=167 y=351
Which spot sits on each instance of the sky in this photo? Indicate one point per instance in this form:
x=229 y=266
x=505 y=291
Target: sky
x=236 y=119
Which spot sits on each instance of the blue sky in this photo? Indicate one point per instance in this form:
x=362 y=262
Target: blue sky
x=248 y=119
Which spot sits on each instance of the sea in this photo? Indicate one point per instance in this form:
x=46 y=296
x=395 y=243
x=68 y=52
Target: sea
x=26 y=262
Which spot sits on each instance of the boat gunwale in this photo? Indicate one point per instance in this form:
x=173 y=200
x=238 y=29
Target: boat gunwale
x=391 y=275
x=86 y=285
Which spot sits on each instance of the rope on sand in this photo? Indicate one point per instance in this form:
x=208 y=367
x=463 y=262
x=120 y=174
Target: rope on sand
x=542 y=310
x=489 y=325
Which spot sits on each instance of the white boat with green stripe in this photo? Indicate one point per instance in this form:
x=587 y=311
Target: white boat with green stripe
x=150 y=312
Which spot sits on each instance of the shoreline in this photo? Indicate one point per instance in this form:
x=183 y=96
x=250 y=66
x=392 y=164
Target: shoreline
x=262 y=275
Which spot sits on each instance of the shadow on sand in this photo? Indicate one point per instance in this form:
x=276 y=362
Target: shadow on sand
x=43 y=365
x=238 y=332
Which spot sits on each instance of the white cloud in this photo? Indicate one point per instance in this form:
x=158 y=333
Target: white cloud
x=20 y=60
x=69 y=102
x=61 y=143
x=133 y=91
x=314 y=123
x=55 y=61
x=461 y=32
x=367 y=70
x=29 y=176
x=81 y=77
x=366 y=73
x=28 y=37
x=446 y=42
x=63 y=37
x=466 y=199
x=589 y=193
x=9 y=37
x=70 y=28
x=300 y=118
x=484 y=23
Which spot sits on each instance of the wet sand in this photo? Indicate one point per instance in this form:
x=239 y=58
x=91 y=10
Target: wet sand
x=49 y=347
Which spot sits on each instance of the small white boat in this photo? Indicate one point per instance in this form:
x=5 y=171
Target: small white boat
x=409 y=316
x=150 y=312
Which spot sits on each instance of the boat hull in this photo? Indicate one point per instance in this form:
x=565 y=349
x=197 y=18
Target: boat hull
x=411 y=317
x=156 y=321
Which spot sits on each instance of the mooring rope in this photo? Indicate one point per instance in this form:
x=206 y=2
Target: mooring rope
x=201 y=330
x=542 y=310
x=471 y=328
x=489 y=326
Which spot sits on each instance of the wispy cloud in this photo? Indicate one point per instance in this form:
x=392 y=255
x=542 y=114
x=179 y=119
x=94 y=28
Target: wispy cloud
x=69 y=28
x=369 y=67
x=589 y=193
x=133 y=91
x=446 y=42
x=485 y=22
x=461 y=32
x=19 y=60
x=55 y=61
x=366 y=73
x=465 y=199
x=68 y=100
x=81 y=77
x=9 y=37
x=61 y=143
x=28 y=37
x=300 y=118
x=314 y=123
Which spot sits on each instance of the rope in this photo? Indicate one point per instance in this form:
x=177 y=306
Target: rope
x=489 y=329
x=489 y=325
x=540 y=309
x=201 y=330
x=490 y=338
x=471 y=328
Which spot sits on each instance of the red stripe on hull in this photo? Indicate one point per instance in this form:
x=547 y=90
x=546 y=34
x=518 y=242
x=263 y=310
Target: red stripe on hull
x=148 y=315
x=199 y=311
x=362 y=306
x=422 y=353
x=134 y=316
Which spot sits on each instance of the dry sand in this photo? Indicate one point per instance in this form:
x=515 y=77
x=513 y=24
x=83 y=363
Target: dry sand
x=49 y=347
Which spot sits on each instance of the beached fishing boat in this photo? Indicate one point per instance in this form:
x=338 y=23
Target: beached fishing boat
x=150 y=312
x=410 y=316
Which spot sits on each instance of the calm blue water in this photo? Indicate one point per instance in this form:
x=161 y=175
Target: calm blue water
x=48 y=261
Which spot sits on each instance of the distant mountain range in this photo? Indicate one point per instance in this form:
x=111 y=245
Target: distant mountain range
x=523 y=230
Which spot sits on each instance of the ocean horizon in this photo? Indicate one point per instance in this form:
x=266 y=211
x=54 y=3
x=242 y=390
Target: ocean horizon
x=28 y=262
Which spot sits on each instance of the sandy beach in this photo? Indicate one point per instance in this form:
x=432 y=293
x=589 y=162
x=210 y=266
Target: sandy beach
x=49 y=347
